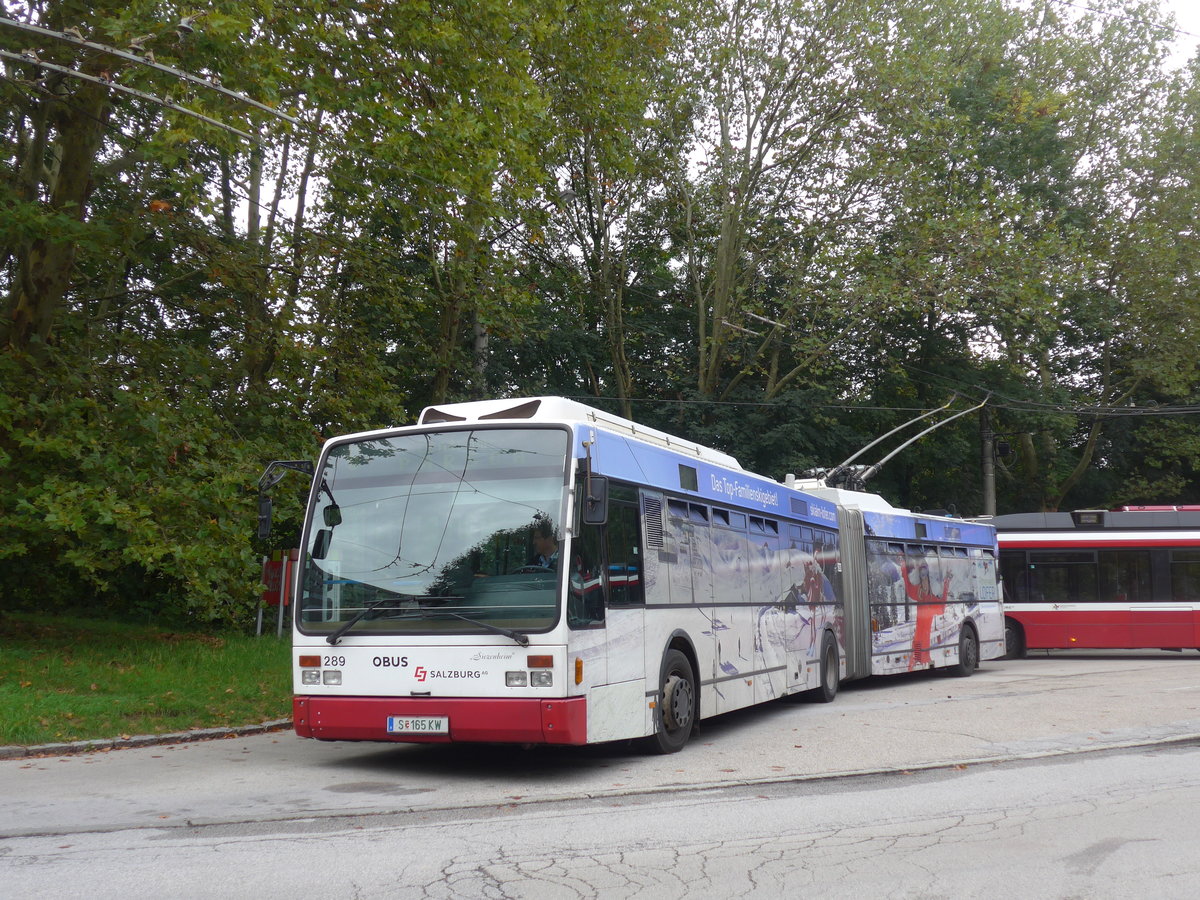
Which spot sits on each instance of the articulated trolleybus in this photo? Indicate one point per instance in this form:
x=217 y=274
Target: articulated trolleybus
x=1117 y=579
x=537 y=571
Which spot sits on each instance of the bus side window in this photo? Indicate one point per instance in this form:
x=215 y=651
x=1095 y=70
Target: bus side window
x=624 y=545
x=586 y=584
x=1014 y=573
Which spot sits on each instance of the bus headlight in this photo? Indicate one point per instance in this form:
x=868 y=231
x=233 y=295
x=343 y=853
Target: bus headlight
x=542 y=679
x=516 y=679
x=310 y=676
x=332 y=676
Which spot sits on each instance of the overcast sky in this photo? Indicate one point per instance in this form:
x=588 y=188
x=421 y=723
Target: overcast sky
x=1187 y=14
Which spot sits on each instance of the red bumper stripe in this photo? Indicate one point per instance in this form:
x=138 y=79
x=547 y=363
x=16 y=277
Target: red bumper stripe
x=509 y=721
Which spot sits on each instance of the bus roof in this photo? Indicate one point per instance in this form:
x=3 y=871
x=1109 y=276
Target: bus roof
x=560 y=409
x=842 y=497
x=1096 y=520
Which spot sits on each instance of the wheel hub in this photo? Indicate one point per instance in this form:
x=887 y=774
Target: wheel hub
x=677 y=702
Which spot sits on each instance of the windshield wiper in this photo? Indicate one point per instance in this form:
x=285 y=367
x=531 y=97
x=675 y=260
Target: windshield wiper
x=357 y=617
x=517 y=636
x=423 y=613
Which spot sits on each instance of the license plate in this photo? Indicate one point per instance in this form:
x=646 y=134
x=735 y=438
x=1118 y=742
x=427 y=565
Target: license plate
x=418 y=725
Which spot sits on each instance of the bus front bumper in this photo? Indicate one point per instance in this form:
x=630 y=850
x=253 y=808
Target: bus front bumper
x=509 y=720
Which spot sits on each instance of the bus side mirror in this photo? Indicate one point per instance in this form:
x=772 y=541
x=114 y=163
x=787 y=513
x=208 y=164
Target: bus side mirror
x=595 y=500
x=264 y=517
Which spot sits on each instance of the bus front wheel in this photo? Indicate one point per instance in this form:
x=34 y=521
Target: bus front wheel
x=1014 y=640
x=676 y=709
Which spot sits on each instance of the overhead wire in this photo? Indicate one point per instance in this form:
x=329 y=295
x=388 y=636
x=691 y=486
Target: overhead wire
x=374 y=250
x=1109 y=14
x=1017 y=404
x=336 y=146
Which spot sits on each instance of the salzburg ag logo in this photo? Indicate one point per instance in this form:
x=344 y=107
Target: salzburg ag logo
x=423 y=674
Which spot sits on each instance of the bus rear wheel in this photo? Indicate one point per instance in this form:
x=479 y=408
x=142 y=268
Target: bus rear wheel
x=968 y=653
x=831 y=673
x=676 y=710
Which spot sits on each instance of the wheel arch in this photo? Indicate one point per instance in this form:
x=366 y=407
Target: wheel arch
x=961 y=667
x=1018 y=647
x=680 y=640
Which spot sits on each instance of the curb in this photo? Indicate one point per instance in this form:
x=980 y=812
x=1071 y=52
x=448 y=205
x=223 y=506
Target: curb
x=141 y=740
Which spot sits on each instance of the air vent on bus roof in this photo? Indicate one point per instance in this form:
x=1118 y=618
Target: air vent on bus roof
x=524 y=411
x=436 y=415
x=1085 y=518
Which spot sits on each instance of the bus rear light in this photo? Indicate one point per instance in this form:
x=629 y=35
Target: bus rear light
x=516 y=679
x=310 y=662
x=540 y=662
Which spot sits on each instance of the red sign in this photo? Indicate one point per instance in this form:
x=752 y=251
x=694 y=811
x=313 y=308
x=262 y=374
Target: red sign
x=277 y=579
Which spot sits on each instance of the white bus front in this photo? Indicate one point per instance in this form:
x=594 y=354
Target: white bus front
x=422 y=613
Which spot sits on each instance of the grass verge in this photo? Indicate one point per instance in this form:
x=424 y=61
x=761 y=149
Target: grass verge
x=68 y=679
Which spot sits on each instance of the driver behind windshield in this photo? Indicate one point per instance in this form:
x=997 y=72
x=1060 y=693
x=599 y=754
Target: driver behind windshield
x=545 y=545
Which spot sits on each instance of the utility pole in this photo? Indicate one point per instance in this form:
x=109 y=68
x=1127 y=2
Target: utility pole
x=987 y=460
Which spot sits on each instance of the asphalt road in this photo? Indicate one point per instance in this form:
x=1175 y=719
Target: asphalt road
x=1014 y=709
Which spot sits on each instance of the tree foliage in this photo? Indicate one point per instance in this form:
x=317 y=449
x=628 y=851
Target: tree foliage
x=781 y=228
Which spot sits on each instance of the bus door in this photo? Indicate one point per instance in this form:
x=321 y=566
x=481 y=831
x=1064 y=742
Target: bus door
x=606 y=615
x=1183 y=587
x=1126 y=582
x=626 y=573
x=1062 y=585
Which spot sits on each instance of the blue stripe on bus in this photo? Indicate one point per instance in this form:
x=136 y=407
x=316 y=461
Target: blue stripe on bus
x=619 y=457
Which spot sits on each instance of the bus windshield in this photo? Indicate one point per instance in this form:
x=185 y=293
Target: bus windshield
x=436 y=533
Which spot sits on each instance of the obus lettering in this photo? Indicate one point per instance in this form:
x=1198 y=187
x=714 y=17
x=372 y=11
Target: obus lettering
x=390 y=662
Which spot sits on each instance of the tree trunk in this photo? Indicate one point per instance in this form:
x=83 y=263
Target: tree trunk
x=45 y=264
